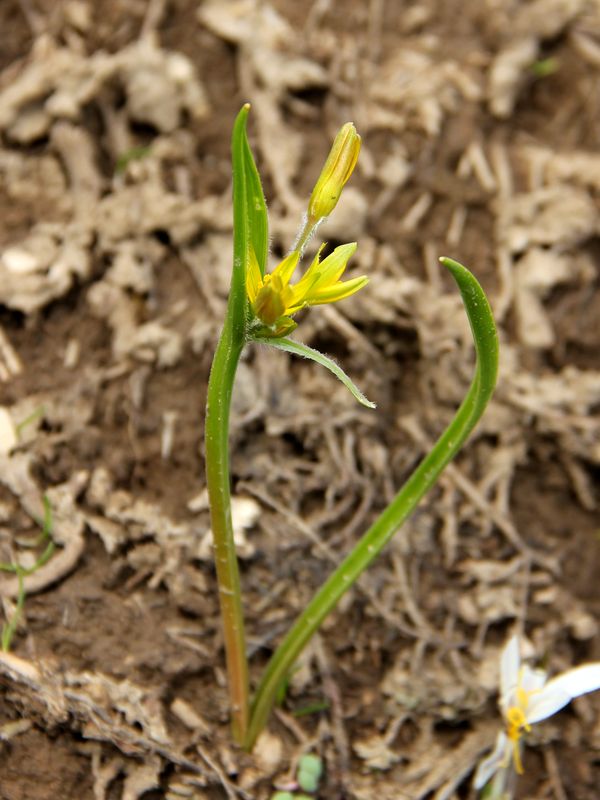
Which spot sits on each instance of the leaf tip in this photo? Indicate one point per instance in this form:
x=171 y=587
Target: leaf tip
x=449 y=262
x=455 y=267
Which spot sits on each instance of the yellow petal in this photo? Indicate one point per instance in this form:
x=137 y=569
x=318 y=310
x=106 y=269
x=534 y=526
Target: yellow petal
x=340 y=290
x=253 y=277
x=323 y=274
x=285 y=269
x=332 y=268
x=309 y=278
x=326 y=272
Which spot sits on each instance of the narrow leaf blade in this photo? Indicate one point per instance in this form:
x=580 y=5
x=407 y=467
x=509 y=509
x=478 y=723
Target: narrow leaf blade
x=257 y=209
x=250 y=221
x=303 y=350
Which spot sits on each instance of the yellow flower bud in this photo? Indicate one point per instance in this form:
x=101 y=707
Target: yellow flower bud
x=338 y=168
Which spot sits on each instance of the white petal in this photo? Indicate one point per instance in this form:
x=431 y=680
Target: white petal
x=498 y=789
x=561 y=690
x=532 y=680
x=493 y=762
x=510 y=663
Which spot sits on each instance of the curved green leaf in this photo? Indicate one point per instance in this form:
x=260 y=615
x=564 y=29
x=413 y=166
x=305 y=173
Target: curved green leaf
x=387 y=524
x=249 y=231
x=299 y=349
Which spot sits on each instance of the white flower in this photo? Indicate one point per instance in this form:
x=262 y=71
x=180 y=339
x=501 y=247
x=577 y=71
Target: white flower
x=526 y=698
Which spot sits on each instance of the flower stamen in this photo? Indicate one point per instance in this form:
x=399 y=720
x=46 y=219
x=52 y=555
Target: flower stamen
x=516 y=724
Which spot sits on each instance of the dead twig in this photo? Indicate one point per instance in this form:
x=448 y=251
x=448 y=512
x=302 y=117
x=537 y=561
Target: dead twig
x=554 y=773
x=340 y=735
x=43 y=685
x=10 y=363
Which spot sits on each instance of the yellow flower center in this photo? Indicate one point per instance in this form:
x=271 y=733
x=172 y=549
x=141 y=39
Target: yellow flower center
x=516 y=724
x=272 y=299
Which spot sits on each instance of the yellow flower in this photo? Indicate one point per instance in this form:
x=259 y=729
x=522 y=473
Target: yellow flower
x=338 y=168
x=274 y=299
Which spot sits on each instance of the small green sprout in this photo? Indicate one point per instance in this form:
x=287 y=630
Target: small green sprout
x=545 y=67
x=290 y=796
x=311 y=708
x=133 y=154
x=33 y=417
x=260 y=310
x=310 y=770
x=308 y=778
x=9 y=628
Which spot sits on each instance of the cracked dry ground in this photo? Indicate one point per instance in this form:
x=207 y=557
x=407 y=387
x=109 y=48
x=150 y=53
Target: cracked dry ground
x=480 y=124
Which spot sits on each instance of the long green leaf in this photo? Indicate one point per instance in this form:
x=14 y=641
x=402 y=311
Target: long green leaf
x=249 y=216
x=257 y=209
x=250 y=227
x=299 y=349
x=383 y=529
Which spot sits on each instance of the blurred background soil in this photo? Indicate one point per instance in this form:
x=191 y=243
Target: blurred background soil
x=480 y=124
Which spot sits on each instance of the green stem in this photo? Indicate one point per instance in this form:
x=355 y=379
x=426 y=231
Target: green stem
x=308 y=230
x=220 y=387
x=387 y=524
x=8 y=630
x=218 y=404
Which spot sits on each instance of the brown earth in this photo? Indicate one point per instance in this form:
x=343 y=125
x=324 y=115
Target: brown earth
x=480 y=130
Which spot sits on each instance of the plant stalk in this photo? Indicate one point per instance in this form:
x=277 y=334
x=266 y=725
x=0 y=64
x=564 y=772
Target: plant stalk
x=218 y=405
x=220 y=388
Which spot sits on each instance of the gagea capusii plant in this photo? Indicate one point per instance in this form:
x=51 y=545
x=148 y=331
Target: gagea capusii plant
x=261 y=309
